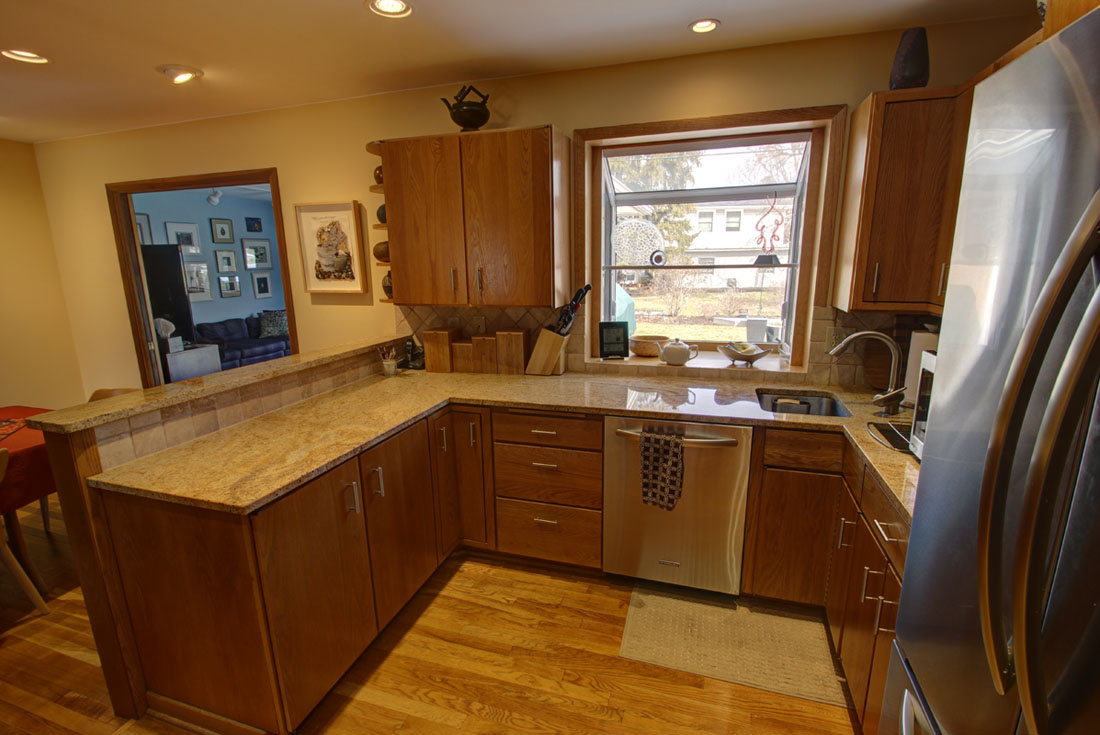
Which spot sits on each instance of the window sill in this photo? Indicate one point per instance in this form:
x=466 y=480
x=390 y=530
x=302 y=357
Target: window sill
x=707 y=364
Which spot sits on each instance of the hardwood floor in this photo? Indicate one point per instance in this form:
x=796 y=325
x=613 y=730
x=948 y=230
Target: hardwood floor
x=487 y=646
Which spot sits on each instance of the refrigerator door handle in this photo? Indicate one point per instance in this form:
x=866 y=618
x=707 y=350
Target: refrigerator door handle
x=1008 y=421
x=1053 y=446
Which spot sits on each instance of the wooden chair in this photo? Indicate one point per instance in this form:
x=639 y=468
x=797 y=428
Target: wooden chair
x=10 y=562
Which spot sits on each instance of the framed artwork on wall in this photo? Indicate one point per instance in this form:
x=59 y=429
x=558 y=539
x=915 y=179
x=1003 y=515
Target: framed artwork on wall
x=144 y=230
x=226 y=260
x=331 y=239
x=222 y=230
x=261 y=285
x=196 y=277
x=229 y=286
x=186 y=235
x=253 y=224
x=257 y=254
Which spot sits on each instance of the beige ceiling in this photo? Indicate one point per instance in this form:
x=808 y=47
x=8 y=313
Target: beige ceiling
x=261 y=54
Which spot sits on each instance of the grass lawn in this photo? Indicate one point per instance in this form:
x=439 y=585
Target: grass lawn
x=704 y=332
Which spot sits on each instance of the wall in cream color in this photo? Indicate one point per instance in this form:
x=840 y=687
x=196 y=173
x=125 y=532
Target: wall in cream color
x=39 y=366
x=320 y=156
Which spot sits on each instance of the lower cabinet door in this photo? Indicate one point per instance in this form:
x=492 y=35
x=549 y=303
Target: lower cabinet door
x=793 y=535
x=445 y=480
x=865 y=587
x=315 y=573
x=397 y=483
x=836 y=591
x=470 y=450
x=880 y=662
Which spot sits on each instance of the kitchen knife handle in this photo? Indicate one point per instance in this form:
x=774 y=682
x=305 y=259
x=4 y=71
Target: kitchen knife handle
x=1055 y=444
x=1008 y=421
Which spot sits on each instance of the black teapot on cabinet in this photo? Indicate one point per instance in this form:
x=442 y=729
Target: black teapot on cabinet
x=470 y=114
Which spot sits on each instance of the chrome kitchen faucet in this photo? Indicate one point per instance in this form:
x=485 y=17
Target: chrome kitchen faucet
x=890 y=401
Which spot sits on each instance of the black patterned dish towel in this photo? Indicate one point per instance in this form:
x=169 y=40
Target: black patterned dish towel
x=662 y=469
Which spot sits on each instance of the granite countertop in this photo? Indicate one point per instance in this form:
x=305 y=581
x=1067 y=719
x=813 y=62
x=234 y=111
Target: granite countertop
x=241 y=468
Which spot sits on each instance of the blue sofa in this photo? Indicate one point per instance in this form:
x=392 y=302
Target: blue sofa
x=239 y=341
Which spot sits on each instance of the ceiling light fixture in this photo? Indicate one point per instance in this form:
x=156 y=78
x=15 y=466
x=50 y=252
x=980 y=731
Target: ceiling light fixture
x=27 y=57
x=180 y=74
x=215 y=198
x=705 y=25
x=389 y=8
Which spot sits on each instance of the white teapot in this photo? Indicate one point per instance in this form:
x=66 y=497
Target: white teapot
x=677 y=352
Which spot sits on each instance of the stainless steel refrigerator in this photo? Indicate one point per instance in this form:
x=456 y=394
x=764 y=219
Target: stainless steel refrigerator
x=999 y=622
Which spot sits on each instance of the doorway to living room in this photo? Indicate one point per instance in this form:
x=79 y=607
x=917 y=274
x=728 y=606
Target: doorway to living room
x=204 y=266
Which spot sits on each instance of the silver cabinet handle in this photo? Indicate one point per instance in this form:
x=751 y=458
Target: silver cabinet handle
x=479 y=283
x=1055 y=447
x=701 y=442
x=874 y=284
x=668 y=563
x=886 y=536
x=878 y=616
x=544 y=464
x=863 y=588
x=443 y=430
x=545 y=520
x=840 y=535
x=473 y=434
x=356 y=503
x=1007 y=425
x=943 y=277
x=454 y=279
x=544 y=431
x=381 y=490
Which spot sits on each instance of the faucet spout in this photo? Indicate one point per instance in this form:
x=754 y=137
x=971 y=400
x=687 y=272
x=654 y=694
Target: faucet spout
x=890 y=400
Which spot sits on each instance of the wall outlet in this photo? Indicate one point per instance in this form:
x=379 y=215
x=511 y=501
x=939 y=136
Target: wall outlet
x=478 y=324
x=452 y=321
x=834 y=336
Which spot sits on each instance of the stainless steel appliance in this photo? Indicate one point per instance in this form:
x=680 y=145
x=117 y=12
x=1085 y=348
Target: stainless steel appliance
x=999 y=624
x=698 y=543
x=922 y=400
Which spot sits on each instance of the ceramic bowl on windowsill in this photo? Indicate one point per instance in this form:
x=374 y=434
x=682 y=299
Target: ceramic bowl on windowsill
x=647 y=345
x=743 y=352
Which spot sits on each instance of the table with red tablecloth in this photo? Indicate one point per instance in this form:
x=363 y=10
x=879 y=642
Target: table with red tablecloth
x=28 y=477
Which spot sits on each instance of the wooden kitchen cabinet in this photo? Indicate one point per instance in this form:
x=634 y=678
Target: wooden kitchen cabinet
x=865 y=586
x=479 y=218
x=400 y=508
x=905 y=157
x=836 y=589
x=461 y=466
x=311 y=549
x=880 y=662
x=793 y=535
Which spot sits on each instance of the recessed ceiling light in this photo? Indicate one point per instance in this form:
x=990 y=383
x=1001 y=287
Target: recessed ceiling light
x=180 y=74
x=390 y=8
x=705 y=25
x=28 y=57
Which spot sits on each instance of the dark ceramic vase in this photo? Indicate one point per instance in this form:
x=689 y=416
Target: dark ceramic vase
x=387 y=285
x=381 y=213
x=382 y=251
x=910 y=67
x=378 y=174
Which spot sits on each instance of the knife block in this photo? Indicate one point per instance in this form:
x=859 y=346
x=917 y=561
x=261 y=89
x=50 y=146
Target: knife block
x=548 y=357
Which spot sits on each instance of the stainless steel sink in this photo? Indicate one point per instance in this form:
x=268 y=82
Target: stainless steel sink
x=798 y=403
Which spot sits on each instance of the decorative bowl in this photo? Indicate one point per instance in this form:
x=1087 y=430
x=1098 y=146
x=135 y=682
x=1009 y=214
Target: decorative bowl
x=647 y=345
x=743 y=352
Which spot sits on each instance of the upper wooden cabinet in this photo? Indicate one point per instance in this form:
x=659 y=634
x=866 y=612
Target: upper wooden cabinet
x=901 y=191
x=479 y=218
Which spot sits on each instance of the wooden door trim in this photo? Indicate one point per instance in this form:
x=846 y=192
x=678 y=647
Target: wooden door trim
x=127 y=247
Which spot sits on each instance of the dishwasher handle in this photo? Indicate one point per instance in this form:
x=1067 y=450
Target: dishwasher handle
x=707 y=442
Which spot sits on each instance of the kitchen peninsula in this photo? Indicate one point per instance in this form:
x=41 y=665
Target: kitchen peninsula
x=247 y=494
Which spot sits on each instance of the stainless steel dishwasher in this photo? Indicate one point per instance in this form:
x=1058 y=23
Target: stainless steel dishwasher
x=698 y=543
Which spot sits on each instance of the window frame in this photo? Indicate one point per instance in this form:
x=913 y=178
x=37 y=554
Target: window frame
x=827 y=127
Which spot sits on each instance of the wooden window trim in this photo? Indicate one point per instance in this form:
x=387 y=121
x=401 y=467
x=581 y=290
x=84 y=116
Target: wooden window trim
x=827 y=125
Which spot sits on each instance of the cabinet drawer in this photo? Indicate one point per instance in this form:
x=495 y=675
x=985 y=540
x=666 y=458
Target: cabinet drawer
x=545 y=531
x=550 y=475
x=549 y=431
x=804 y=450
x=890 y=527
